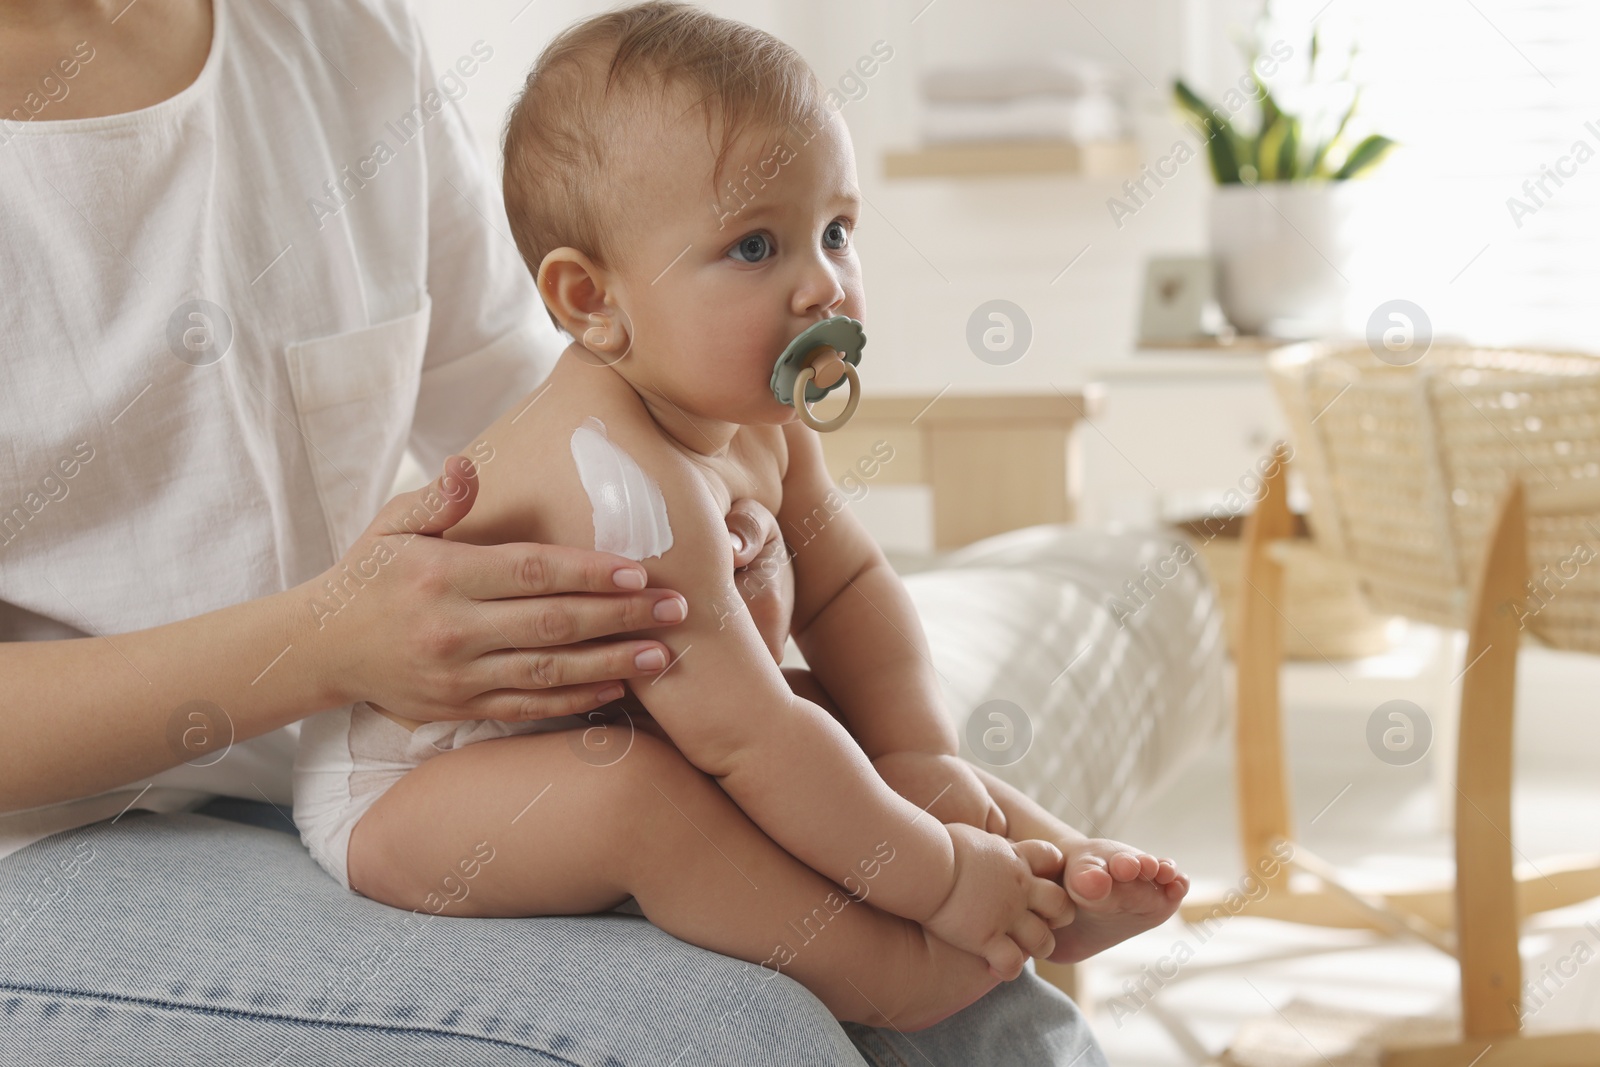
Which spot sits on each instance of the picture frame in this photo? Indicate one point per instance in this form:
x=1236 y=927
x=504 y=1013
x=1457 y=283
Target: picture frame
x=1180 y=301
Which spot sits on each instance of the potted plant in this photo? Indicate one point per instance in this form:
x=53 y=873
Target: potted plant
x=1282 y=217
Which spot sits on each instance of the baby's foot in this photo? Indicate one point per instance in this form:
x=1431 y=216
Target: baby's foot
x=1119 y=891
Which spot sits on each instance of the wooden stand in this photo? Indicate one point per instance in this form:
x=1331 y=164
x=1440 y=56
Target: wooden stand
x=1477 y=919
x=966 y=448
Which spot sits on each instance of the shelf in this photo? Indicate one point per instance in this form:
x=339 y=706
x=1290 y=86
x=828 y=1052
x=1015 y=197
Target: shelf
x=1166 y=365
x=1002 y=409
x=1014 y=159
x=1239 y=343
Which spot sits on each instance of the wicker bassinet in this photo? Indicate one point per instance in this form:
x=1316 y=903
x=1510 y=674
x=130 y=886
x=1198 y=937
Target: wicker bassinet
x=1406 y=466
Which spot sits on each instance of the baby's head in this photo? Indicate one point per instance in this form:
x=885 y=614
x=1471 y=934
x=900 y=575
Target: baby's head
x=685 y=199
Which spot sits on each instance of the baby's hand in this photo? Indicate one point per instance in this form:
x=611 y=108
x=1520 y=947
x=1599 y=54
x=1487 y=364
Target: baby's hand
x=1004 y=899
x=944 y=786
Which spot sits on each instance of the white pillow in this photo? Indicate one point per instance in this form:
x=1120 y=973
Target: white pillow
x=1119 y=684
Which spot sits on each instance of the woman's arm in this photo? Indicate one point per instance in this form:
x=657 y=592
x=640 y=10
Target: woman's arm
x=439 y=631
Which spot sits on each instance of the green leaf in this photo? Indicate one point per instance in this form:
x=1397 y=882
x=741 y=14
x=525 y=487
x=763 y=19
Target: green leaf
x=1289 y=151
x=1225 y=157
x=1272 y=117
x=1222 y=144
x=1268 y=147
x=1319 y=158
x=1364 y=157
x=1269 y=107
x=1282 y=148
x=1189 y=101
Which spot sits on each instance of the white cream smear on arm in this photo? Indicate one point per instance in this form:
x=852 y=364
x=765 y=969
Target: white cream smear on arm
x=630 y=516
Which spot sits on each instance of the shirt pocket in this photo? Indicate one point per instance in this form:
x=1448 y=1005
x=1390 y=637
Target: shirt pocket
x=355 y=394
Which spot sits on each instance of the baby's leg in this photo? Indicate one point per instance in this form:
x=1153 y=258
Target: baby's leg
x=526 y=826
x=1119 y=891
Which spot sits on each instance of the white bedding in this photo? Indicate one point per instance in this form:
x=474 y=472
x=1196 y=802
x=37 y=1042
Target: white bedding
x=1006 y=616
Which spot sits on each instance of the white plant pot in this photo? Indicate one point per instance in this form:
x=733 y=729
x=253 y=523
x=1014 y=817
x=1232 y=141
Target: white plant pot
x=1283 y=252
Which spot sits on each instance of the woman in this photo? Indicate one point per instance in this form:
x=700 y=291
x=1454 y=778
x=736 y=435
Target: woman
x=251 y=259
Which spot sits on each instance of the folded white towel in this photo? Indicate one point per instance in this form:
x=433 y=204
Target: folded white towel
x=1058 y=75
x=1038 y=118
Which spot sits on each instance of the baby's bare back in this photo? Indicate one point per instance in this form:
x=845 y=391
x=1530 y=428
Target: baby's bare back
x=532 y=488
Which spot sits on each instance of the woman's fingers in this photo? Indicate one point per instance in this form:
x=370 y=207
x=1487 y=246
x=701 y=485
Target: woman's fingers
x=521 y=706
x=522 y=569
x=551 y=621
x=572 y=665
x=435 y=629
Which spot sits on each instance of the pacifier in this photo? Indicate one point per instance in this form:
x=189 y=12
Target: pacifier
x=793 y=378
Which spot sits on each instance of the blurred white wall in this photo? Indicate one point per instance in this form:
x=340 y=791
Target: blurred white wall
x=933 y=250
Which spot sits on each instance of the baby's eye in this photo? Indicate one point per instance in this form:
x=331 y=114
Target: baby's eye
x=752 y=249
x=835 y=237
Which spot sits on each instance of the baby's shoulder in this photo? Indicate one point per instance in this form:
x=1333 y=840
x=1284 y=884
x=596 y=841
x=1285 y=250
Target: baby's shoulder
x=581 y=454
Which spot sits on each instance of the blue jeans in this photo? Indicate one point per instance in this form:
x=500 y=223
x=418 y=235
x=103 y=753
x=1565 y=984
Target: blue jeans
x=198 y=939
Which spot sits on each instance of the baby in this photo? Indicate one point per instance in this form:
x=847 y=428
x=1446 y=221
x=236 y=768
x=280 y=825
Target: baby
x=686 y=203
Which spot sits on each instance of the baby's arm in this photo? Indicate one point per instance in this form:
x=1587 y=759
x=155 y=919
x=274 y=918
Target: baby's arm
x=853 y=620
x=796 y=772
x=850 y=612
x=862 y=639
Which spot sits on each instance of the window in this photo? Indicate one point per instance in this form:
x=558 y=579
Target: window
x=1494 y=203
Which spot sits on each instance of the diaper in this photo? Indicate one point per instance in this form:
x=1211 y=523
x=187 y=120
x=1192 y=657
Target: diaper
x=349 y=756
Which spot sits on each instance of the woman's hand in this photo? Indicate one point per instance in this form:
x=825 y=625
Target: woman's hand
x=434 y=629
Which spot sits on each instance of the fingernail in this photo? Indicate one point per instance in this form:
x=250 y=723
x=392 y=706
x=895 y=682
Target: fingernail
x=669 y=609
x=651 y=659
x=608 y=694
x=628 y=578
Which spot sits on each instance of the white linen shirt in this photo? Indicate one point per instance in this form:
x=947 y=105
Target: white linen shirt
x=226 y=317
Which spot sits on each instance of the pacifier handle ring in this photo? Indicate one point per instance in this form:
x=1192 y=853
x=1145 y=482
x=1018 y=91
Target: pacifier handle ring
x=804 y=378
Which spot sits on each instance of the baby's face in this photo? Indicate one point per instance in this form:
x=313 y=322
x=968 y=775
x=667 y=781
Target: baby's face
x=716 y=282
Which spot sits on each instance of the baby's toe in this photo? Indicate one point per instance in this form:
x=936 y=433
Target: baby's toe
x=1126 y=866
x=1088 y=878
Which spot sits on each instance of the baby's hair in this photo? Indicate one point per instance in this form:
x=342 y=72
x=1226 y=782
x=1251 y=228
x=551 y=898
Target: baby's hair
x=560 y=137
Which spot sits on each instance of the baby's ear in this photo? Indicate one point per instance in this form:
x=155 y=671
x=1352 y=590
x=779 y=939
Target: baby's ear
x=573 y=288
